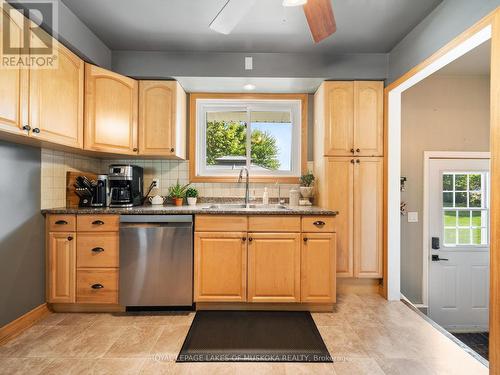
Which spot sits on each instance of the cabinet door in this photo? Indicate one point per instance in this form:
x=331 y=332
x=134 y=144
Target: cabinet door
x=13 y=87
x=274 y=267
x=162 y=120
x=340 y=172
x=220 y=267
x=317 y=271
x=368 y=217
x=339 y=112
x=56 y=100
x=111 y=105
x=368 y=118
x=61 y=268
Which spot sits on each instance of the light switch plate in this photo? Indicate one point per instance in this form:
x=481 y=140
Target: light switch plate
x=248 y=63
x=413 y=217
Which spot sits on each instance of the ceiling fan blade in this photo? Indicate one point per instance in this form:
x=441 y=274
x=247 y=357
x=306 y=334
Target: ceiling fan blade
x=230 y=15
x=319 y=15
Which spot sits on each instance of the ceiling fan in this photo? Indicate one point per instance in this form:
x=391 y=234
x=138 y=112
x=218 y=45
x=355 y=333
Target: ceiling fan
x=319 y=15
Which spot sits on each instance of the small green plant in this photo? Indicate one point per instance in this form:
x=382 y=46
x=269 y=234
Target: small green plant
x=177 y=190
x=191 y=193
x=307 y=179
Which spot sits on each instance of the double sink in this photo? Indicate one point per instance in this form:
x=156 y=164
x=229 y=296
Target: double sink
x=244 y=206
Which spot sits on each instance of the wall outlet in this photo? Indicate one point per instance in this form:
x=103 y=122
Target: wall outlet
x=248 y=63
x=156 y=182
x=413 y=217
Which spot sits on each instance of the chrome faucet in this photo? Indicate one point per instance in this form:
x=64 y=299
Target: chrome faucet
x=247 y=190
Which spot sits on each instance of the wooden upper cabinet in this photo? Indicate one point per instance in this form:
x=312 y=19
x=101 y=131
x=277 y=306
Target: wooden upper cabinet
x=13 y=89
x=368 y=118
x=339 y=109
x=162 y=119
x=368 y=217
x=111 y=106
x=318 y=267
x=56 y=100
x=273 y=267
x=220 y=267
x=61 y=269
x=340 y=196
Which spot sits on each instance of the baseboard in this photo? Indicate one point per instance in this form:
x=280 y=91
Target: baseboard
x=313 y=307
x=360 y=286
x=22 y=323
x=86 y=307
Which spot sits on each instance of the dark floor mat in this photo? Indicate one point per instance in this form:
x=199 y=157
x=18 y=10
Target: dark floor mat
x=477 y=341
x=253 y=336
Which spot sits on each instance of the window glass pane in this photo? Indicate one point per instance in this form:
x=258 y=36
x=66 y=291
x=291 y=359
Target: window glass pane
x=226 y=139
x=464 y=218
x=476 y=219
x=460 y=199
x=447 y=199
x=450 y=218
x=461 y=182
x=464 y=236
x=271 y=145
x=476 y=236
x=475 y=182
x=474 y=199
x=450 y=237
x=447 y=182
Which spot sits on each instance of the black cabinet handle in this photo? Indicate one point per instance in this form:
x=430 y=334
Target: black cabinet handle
x=352 y=161
x=305 y=239
x=97 y=250
x=70 y=238
x=358 y=150
x=97 y=286
x=98 y=222
x=172 y=149
x=134 y=149
x=61 y=222
x=352 y=150
x=27 y=128
x=319 y=223
x=36 y=130
x=357 y=161
x=243 y=239
x=250 y=239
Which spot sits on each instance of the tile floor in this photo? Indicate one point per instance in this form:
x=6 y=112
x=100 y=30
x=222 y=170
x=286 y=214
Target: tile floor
x=366 y=335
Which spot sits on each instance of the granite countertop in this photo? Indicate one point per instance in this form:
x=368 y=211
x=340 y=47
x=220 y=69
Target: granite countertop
x=201 y=208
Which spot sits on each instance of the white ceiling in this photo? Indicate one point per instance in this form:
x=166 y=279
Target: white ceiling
x=475 y=62
x=363 y=26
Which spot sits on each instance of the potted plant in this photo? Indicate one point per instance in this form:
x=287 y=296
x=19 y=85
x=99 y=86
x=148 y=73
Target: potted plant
x=306 y=184
x=177 y=193
x=191 y=195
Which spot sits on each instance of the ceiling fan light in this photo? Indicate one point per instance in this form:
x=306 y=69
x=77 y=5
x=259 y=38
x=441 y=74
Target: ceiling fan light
x=293 y=3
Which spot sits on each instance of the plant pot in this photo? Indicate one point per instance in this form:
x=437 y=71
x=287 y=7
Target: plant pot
x=178 y=201
x=192 y=201
x=306 y=191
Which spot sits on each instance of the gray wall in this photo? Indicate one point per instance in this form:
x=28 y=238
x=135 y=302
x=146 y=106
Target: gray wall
x=444 y=23
x=22 y=255
x=439 y=114
x=167 y=65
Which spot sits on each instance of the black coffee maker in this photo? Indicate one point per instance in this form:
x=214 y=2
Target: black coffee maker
x=126 y=185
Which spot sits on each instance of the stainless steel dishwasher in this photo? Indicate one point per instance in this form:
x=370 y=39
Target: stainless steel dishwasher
x=156 y=260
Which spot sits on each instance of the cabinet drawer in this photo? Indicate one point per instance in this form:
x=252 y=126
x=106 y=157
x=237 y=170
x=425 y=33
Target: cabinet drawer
x=317 y=224
x=61 y=223
x=274 y=224
x=98 y=223
x=97 y=250
x=97 y=286
x=218 y=223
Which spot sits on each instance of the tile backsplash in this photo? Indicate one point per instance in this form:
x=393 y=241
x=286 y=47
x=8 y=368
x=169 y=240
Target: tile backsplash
x=56 y=163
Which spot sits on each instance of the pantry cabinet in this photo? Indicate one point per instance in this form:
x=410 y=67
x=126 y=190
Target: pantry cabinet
x=162 y=119
x=220 y=260
x=111 y=106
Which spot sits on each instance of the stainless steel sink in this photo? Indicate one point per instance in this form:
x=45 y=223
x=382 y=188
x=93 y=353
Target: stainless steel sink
x=243 y=206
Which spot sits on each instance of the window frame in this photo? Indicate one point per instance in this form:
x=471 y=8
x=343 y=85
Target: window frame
x=201 y=101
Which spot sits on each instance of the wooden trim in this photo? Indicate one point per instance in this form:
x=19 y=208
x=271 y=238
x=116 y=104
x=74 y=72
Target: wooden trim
x=22 y=323
x=313 y=307
x=192 y=135
x=359 y=286
x=86 y=307
x=384 y=290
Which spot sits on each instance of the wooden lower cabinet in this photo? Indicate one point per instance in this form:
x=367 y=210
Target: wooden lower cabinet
x=318 y=263
x=61 y=267
x=274 y=267
x=220 y=266
x=97 y=285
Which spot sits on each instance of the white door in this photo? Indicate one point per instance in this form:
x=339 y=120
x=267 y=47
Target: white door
x=459 y=264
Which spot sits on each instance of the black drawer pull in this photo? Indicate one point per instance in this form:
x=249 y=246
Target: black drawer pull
x=305 y=239
x=243 y=239
x=61 y=222
x=250 y=239
x=319 y=223
x=97 y=250
x=98 y=222
x=97 y=286
x=70 y=238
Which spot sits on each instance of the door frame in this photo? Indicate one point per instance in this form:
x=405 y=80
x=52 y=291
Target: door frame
x=428 y=156
x=487 y=28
